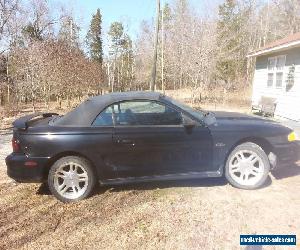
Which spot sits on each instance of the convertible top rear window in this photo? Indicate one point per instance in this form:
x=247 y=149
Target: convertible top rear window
x=104 y=118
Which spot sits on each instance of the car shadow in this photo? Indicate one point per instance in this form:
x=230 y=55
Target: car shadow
x=286 y=172
x=207 y=182
x=144 y=186
x=267 y=183
x=43 y=189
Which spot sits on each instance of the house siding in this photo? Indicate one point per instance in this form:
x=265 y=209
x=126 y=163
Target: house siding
x=287 y=102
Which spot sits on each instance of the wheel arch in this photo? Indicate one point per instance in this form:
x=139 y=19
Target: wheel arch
x=60 y=155
x=262 y=142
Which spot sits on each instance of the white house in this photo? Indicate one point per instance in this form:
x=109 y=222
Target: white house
x=277 y=77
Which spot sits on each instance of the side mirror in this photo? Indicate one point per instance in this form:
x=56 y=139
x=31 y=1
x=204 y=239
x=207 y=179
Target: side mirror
x=188 y=122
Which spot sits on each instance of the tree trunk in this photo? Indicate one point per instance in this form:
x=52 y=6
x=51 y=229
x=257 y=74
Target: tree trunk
x=113 y=76
x=68 y=101
x=33 y=105
x=1 y=98
x=8 y=94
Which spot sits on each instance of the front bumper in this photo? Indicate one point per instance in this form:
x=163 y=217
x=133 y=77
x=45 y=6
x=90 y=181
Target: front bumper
x=287 y=153
x=19 y=171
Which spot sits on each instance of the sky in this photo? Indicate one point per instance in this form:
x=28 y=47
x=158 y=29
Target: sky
x=130 y=12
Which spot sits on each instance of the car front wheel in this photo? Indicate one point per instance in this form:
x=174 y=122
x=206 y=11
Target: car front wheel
x=247 y=166
x=71 y=179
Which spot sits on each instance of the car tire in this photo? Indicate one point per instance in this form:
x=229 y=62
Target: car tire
x=247 y=166
x=71 y=179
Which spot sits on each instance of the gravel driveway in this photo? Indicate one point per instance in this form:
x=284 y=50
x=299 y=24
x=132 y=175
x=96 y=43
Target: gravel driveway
x=5 y=149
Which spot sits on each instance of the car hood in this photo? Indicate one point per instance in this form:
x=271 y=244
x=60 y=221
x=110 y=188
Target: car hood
x=223 y=115
x=232 y=121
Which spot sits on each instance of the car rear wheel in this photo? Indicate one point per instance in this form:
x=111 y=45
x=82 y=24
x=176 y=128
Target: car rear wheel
x=71 y=179
x=247 y=166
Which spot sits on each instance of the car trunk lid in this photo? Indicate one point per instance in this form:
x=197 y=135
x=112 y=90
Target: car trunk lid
x=26 y=121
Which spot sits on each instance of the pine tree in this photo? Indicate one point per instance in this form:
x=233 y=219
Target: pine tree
x=227 y=41
x=94 y=39
x=127 y=58
x=116 y=33
x=121 y=51
x=233 y=40
x=167 y=12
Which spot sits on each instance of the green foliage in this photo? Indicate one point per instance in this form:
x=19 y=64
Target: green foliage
x=127 y=58
x=121 y=50
x=33 y=32
x=94 y=39
x=290 y=80
x=226 y=40
x=168 y=16
x=116 y=33
x=167 y=12
x=231 y=41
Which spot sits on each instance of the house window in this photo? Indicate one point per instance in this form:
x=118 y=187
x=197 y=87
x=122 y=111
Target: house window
x=270 y=79
x=271 y=63
x=280 y=62
x=279 y=78
x=275 y=71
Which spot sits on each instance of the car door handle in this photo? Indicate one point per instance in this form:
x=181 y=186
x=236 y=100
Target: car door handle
x=126 y=141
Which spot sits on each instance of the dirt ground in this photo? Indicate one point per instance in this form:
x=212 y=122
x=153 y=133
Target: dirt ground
x=202 y=214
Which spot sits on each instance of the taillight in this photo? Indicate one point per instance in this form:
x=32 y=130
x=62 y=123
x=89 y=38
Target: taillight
x=15 y=145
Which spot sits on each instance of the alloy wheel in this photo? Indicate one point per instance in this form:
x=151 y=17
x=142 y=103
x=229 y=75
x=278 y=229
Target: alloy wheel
x=246 y=167
x=71 y=180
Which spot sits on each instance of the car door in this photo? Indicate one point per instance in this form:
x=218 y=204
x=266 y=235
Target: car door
x=150 y=139
x=99 y=145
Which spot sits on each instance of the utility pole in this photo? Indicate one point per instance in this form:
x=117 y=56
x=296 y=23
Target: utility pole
x=162 y=51
x=153 y=78
x=7 y=75
x=108 y=73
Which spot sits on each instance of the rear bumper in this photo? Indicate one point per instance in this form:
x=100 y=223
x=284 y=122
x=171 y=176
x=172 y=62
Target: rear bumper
x=287 y=154
x=19 y=170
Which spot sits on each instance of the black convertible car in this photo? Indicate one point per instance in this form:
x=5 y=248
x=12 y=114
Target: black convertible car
x=144 y=136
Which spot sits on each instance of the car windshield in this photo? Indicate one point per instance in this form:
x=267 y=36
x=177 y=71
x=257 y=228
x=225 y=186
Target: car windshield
x=196 y=113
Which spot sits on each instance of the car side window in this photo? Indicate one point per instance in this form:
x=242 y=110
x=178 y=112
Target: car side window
x=104 y=118
x=146 y=113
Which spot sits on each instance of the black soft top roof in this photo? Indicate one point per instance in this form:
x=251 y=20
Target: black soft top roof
x=85 y=113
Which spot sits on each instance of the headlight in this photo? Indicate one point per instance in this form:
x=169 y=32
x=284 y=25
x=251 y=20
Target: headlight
x=292 y=136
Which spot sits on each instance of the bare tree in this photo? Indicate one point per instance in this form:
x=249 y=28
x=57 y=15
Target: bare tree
x=8 y=9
